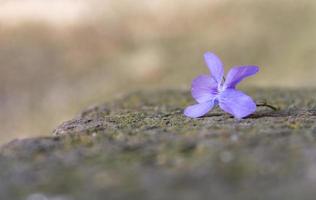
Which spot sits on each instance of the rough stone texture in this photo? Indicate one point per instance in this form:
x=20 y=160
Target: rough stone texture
x=142 y=147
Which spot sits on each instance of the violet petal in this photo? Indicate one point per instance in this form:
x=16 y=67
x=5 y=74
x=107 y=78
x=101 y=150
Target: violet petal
x=204 y=88
x=215 y=65
x=236 y=103
x=237 y=74
x=198 y=110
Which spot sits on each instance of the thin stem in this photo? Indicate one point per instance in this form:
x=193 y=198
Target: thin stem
x=267 y=105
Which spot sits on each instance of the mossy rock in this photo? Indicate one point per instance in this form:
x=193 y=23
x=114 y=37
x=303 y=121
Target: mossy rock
x=141 y=146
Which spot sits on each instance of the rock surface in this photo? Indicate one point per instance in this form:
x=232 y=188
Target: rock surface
x=142 y=147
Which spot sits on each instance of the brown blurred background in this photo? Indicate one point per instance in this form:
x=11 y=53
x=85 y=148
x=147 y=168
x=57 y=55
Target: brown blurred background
x=58 y=57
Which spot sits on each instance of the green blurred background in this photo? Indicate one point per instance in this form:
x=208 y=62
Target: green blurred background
x=58 y=57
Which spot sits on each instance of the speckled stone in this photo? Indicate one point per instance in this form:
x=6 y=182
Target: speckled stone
x=141 y=147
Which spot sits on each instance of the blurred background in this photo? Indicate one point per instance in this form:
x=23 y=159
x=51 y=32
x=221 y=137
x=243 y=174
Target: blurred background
x=59 y=57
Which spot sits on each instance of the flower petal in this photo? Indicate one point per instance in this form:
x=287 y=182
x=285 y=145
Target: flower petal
x=215 y=65
x=236 y=103
x=204 y=88
x=237 y=74
x=198 y=110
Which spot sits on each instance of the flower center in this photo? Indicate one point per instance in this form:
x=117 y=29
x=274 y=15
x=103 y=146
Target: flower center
x=221 y=88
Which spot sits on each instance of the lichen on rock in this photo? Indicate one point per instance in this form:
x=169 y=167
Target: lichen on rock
x=141 y=146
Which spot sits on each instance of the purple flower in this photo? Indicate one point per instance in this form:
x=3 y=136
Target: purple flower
x=213 y=89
